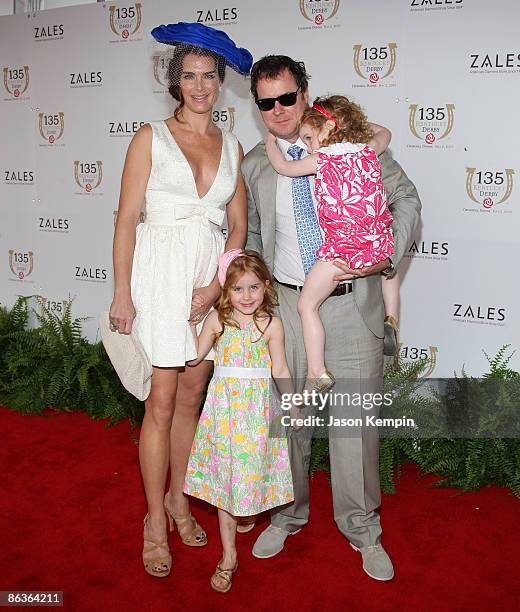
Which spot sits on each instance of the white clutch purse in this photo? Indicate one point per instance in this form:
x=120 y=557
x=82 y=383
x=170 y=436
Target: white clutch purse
x=129 y=359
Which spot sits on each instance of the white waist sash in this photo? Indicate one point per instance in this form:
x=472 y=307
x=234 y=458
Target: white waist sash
x=233 y=372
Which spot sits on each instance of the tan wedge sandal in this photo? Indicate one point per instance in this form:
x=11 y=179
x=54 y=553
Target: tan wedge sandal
x=221 y=580
x=190 y=531
x=159 y=567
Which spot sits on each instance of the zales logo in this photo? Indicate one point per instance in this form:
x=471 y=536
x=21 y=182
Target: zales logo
x=16 y=81
x=414 y=353
x=319 y=10
x=218 y=15
x=375 y=63
x=53 y=224
x=21 y=263
x=494 y=62
x=53 y=32
x=225 y=118
x=428 y=250
x=435 y=5
x=125 y=21
x=18 y=177
x=96 y=275
x=51 y=127
x=485 y=315
x=489 y=188
x=86 y=79
x=124 y=128
x=429 y=123
x=88 y=176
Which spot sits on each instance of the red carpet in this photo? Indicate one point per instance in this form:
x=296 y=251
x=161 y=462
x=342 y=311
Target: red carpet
x=71 y=509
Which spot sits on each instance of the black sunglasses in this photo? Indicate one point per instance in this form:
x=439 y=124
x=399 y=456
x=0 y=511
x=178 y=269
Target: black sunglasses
x=286 y=99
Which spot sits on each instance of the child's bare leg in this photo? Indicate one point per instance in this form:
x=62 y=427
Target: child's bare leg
x=228 y=531
x=391 y=287
x=391 y=299
x=318 y=286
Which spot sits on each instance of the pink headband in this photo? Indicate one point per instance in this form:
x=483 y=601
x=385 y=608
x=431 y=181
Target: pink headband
x=321 y=110
x=223 y=263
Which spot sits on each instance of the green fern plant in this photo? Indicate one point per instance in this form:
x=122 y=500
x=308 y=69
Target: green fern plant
x=54 y=366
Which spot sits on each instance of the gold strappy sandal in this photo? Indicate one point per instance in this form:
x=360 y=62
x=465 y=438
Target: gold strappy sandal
x=225 y=575
x=190 y=531
x=156 y=566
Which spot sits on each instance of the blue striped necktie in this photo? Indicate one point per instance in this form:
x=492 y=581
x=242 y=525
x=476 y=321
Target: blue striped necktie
x=307 y=227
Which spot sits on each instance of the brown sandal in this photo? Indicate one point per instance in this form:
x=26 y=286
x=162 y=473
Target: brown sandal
x=225 y=575
x=245 y=524
x=190 y=531
x=160 y=566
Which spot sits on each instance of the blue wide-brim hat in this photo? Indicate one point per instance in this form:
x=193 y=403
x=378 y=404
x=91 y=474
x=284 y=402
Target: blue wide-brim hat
x=208 y=38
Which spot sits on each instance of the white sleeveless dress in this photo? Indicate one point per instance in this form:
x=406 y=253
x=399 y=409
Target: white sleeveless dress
x=178 y=245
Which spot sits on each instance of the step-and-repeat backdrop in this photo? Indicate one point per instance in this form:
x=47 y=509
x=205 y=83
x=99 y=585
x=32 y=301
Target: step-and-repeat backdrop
x=443 y=75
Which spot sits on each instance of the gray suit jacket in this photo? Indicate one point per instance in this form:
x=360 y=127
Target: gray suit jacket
x=403 y=199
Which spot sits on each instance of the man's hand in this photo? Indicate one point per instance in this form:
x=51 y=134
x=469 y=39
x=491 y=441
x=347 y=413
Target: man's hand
x=349 y=274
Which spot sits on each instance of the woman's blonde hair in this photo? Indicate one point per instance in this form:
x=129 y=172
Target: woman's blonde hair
x=351 y=122
x=249 y=261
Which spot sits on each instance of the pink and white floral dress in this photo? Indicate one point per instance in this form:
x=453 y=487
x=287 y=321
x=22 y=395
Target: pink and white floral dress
x=239 y=461
x=352 y=205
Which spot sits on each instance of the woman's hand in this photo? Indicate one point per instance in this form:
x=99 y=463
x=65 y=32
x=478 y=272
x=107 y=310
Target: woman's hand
x=202 y=300
x=122 y=315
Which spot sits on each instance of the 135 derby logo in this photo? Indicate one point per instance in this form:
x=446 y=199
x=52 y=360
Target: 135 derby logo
x=489 y=188
x=16 y=82
x=51 y=127
x=429 y=123
x=416 y=353
x=225 y=118
x=319 y=11
x=160 y=63
x=220 y=16
x=56 y=306
x=88 y=175
x=125 y=21
x=373 y=64
x=21 y=263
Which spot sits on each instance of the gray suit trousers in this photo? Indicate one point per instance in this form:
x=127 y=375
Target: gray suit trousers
x=355 y=356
